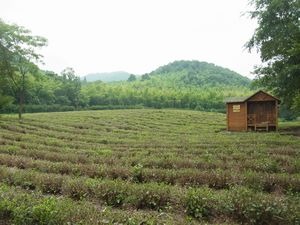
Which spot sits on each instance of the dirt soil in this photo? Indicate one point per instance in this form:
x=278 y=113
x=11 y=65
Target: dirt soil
x=291 y=131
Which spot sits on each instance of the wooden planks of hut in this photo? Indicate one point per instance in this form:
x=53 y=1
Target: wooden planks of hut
x=257 y=112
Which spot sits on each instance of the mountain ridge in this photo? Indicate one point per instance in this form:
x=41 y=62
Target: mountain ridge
x=196 y=73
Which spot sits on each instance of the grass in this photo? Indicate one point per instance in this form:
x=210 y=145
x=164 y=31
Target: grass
x=145 y=167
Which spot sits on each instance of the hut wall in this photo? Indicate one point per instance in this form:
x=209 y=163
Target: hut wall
x=260 y=96
x=237 y=116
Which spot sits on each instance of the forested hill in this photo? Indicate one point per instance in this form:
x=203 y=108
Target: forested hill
x=186 y=73
x=181 y=84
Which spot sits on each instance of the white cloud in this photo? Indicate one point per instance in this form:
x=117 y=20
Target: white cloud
x=136 y=35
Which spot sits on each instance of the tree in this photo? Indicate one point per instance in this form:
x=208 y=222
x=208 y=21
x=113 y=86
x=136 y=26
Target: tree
x=18 y=57
x=277 y=38
x=146 y=76
x=4 y=100
x=72 y=86
x=131 y=78
x=84 y=81
x=23 y=68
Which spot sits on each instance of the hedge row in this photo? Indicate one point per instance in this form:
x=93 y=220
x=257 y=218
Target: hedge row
x=111 y=192
x=219 y=179
x=239 y=203
x=59 y=150
x=28 y=108
x=244 y=206
x=22 y=208
x=37 y=108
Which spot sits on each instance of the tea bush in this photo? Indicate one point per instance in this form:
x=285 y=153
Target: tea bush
x=145 y=167
x=255 y=208
x=200 y=203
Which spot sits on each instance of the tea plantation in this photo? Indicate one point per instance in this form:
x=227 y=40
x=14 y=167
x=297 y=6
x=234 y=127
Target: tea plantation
x=145 y=167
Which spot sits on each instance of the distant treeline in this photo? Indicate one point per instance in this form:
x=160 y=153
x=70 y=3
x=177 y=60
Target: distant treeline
x=182 y=84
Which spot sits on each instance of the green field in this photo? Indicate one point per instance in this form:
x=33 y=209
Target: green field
x=145 y=167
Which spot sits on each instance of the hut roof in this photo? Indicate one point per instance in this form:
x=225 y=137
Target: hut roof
x=235 y=99
x=243 y=99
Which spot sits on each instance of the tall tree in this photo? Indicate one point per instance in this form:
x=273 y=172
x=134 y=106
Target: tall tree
x=146 y=76
x=72 y=86
x=131 y=78
x=277 y=38
x=18 y=57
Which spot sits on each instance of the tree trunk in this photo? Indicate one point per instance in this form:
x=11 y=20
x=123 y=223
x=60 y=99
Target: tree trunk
x=21 y=104
x=22 y=97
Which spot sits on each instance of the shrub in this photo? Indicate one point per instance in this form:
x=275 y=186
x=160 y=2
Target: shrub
x=46 y=213
x=253 y=180
x=160 y=175
x=256 y=208
x=75 y=188
x=51 y=184
x=113 y=193
x=152 y=196
x=293 y=211
x=116 y=172
x=5 y=209
x=26 y=180
x=199 y=203
x=137 y=174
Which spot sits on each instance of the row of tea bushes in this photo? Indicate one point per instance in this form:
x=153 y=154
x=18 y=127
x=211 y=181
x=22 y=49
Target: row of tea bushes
x=177 y=164
x=104 y=155
x=239 y=203
x=216 y=179
x=20 y=207
x=111 y=192
x=243 y=205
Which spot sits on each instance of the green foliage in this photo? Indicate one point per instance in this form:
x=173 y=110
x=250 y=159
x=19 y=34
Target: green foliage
x=17 y=58
x=145 y=77
x=277 y=37
x=20 y=76
x=5 y=209
x=286 y=113
x=296 y=102
x=170 y=167
x=195 y=73
x=49 y=92
x=75 y=188
x=199 y=203
x=252 y=208
x=18 y=207
x=113 y=193
x=153 y=196
x=138 y=173
x=182 y=84
x=71 y=87
x=131 y=78
x=5 y=100
x=44 y=213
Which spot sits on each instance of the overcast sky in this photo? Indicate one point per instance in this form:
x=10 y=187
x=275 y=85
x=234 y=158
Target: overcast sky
x=136 y=36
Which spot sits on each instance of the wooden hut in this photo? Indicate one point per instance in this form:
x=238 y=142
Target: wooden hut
x=257 y=112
